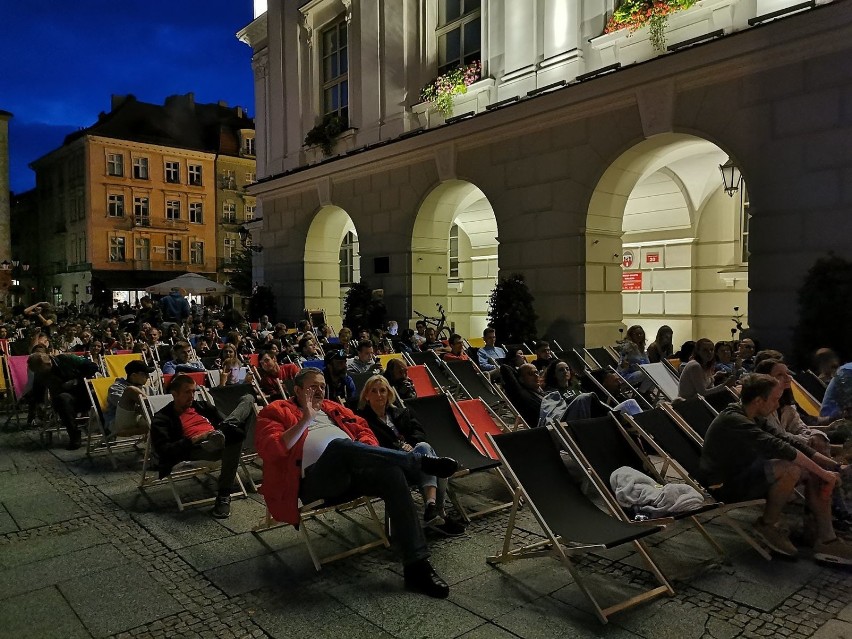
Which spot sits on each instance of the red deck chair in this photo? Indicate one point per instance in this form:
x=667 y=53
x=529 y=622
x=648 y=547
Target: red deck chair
x=424 y=386
x=252 y=359
x=200 y=379
x=482 y=420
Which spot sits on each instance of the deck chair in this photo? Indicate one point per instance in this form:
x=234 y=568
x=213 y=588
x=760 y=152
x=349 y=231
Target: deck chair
x=316 y=513
x=475 y=342
x=225 y=399
x=600 y=357
x=680 y=451
x=183 y=470
x=809 y=381
x=572 y=524
x=163 y=352
x=719 y=401
x=98 y=390
x=210 y=363
x=695 y=413
x=360 y=379
x=384 y=359
x=314 y=363
x=424 y=384
x=483 y=420
x=115 y=364
x=804 y=399
x=663 y=378
x=475 y=384
x=199 y=377
x=442 y=423
x=600 y=446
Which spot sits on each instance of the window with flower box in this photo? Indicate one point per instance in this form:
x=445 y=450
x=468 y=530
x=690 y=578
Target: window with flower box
x=335 y=70
x=459 y=33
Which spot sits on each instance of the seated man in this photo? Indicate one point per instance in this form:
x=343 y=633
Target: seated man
x=523 y=388
x=180 y=362
x=365 y=362
x=189 y=430
x=837 y=401
x=543 y=356
x=270 y=372
x=456 y=353
x=339 y=385
x=123 y=415
x=432 y=343
x=315 y=449
x=742 y=460
x=307 y=349
x=487 y=355
x=63 y=376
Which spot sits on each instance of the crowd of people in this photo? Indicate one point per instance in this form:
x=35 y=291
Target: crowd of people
x=321 y=437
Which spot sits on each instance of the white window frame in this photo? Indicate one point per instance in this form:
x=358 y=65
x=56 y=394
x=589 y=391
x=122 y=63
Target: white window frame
x=142 y=249
x=140 y=168
x=250 y=211
x=745 y=223
x=174 y=250
x=115 y=164
x=115 y=202
x=229 y=212
x=453 y=253
x=142 y=211
x=117 y=248
x=196 y=252
x=458 y=24
x=251 y=177
x=173 y=210
x=249 y=146
x=172 y=172
x=229 y=248
x=347 y=256
x=196 y=174
x=339 y=82
x=196 y=212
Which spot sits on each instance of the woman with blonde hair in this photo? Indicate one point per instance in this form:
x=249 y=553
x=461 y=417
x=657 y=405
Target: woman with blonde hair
x=396 y=427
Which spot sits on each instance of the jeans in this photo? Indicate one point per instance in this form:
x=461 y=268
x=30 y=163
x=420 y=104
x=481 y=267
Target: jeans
x=430 y=480
x=234 y=429
x=350 y=469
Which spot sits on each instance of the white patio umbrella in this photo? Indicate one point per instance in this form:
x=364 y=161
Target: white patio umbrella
x=192 y=283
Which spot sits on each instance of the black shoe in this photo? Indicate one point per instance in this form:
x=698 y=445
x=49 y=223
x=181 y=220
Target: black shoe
x=213 y=442
x=451 y=527
x=421 y=577
x=74 y=444
x=442 y=467
x=222 y=508
x=430 y=513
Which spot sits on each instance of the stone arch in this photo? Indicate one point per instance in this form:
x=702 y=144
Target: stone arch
x=322 y=261
x=662 y=200
x=465 y=296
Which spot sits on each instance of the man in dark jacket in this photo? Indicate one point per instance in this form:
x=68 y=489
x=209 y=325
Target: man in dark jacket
x=524 y=391
x=743 y=458
x=189 y=430
x=64 y=376
x=175 y=307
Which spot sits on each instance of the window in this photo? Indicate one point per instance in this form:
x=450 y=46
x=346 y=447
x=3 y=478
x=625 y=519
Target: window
x=173 y=172
x=459 y=33
x=142 y=249
x=172 y=209
x=251 y=178
x=454 y=252
x=196 y=253
x=248 y=146
x=195 y=174
x=140 y=168
x=335 y=71
x=745 y=218
x=196 y=212
x=115 y=164
x=141 y=212
x=230 y=249
x=173 y=250
x=81 y=249
x=116 y=249
x=250 y=208
x=115 y=205
x=348 y=253
x=229 y=180
x=229 y=212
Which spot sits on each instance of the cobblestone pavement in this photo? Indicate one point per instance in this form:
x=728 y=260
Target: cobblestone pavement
x=84 y=554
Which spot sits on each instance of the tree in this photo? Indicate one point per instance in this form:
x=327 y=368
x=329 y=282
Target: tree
x=241 y=275
x=361 y=309
x=510 y=310
x=262 y=302
x=825 y=310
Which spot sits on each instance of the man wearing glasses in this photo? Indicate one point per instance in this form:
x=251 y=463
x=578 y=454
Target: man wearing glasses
x=313 y=448
x=181 y=363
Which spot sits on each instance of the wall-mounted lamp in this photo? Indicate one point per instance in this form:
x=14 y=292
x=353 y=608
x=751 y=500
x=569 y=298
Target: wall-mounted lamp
x=245 y=240
x=731 y=177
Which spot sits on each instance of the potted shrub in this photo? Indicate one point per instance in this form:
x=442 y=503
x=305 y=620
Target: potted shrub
x=326 y=132
x=440 y=91
x=634 y=14
x=510 y=310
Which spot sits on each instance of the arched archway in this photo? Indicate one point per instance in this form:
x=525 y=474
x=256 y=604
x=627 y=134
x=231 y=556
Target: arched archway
x=325 y=282
x=661 y=226
x=454 y=255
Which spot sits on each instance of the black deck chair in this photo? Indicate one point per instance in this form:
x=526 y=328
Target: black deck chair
x=572 y=524
x=514 y=348
x=600 y=446
x=445 y=435
x=210 y=363
x=360 y=379
x=662 y=432
x=721 y=400
x=164 y=353
x=575 y=361
x=440 y=373
x=226 y=398
x=475 y=384
x=697 y=413
x=601 y=357
x=811 y=383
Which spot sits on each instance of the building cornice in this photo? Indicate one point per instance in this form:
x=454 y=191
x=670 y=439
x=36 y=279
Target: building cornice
x=151 y=148
x=255 y=33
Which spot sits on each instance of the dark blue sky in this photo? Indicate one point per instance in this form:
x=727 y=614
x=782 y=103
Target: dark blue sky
x=60 y=62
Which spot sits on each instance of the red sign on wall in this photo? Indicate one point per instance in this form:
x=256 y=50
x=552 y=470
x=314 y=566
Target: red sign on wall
x=652 y=258
x=631 y=281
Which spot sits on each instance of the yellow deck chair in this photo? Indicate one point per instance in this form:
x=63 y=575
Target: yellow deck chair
x=96 y=441
x=476 y=342
x=3 y=374
x=384 y=359
x=115 y=363
x=804 y=399
x=530 y=358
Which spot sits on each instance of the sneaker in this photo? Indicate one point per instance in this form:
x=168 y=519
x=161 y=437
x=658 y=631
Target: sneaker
x=834 y=552
x=421 y=577
x=213 y=442
x=439 y=466
x=222 y=508
x=451 y=527
x=776 y=538
x=430 y=513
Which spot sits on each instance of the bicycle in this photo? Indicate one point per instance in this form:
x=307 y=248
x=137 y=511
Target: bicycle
x=438 y=323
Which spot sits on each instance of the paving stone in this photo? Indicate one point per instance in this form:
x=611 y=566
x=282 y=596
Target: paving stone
x=846 y=613
x=181 y=529
x=488 y=631
x=7 y=524
x=118 y=599
x=223 y=551
x=546 y=618
x=30 y=550
x=494 y=594
x=252 y=574
x=834 y=629
x=246 y=515
x=53 y=570
x=49 y=507
x=16 y=485
x=41 y=614
x=670 y=618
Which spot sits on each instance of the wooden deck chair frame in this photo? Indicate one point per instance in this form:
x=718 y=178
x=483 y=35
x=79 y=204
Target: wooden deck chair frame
x=556 y=544
x=811 y=382
x=114 y=364
x=803 y=398
x=671 y=463
x=436 y=367
x=696 y=432
x=632 y=392
x=501 y=403
x=595 y=356
x=662 y=378
x=97 y=442
x=184 y=470
x=605 y=492
x=436 y=387
x=465 y=456
x=316 y=512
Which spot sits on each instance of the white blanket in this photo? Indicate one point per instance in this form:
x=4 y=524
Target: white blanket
x=637 y=491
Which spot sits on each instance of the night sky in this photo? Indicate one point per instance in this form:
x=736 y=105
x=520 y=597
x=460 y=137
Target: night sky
x=61 y=61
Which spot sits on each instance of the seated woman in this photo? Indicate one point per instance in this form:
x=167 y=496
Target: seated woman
x=397 y=375
x=661 y=348
x=232 y=370
x=724 y=356
x=399 y=429
x=632 y=354
x=697 y=377
x=563 y=400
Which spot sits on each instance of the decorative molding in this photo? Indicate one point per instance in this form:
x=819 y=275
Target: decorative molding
x=308 y=29
x=324 y=190
x=445 y=162
x=656 y=107
x=347 y=5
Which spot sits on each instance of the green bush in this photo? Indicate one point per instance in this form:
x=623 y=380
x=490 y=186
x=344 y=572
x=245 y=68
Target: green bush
x=825 y=310
x=510 y=311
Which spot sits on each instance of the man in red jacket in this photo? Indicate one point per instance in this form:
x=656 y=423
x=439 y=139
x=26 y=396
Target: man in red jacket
x=313 y=448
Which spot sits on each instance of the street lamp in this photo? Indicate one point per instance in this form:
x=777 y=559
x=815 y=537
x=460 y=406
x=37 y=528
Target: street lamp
x=245 y=239
x=731 y=177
